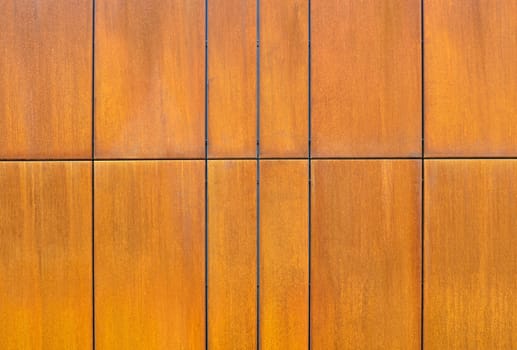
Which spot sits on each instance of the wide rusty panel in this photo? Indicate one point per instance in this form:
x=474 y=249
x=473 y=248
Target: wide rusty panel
x=45 y=255
x=45 y=79
x=470 y=78
x=232 y=254
x=366 y=78
x=470 y=279
x=150 y=79
x=284 y=73
x=149 y=255
x=232 y=78
x=365 y=256
x=284 y=254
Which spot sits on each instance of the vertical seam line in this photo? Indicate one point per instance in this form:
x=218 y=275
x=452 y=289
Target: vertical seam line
x=422 y=262
x=93 y=173
x=257 y=92
x=309 y=153
x=206 y=174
